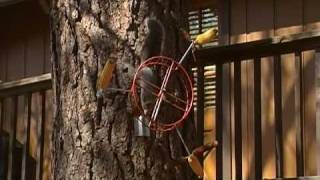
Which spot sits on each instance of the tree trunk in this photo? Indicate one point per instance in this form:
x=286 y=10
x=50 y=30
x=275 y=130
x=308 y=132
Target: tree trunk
x=93 y=144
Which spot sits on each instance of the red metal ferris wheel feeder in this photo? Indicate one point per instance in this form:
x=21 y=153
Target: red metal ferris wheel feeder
x=151 y=97
x=178 y=98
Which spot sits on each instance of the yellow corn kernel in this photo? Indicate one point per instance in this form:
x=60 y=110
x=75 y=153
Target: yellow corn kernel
x=195 y=165
x=207 y=36
x=105 y=76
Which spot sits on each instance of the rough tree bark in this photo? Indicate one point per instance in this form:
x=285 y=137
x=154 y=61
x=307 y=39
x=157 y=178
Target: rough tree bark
x=88 y=144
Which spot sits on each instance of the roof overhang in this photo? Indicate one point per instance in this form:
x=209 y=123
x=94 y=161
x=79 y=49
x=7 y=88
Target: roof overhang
x=200 y=4
x=44 y=4
x=9 y=2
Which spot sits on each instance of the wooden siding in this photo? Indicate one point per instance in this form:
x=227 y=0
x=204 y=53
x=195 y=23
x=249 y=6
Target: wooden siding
x=24 y=35
x=24 y=52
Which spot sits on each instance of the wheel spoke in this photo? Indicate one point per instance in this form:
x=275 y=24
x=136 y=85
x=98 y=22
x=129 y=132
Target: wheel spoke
x=164 y=91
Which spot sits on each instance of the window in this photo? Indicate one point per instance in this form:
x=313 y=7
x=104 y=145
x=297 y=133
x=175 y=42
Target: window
x=200 y=21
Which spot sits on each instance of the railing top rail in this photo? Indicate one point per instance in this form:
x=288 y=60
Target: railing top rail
x=260 y=48
x=26 y=85
x=296 y=178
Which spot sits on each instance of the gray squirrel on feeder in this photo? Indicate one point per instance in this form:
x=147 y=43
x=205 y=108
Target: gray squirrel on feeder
x=153 y=46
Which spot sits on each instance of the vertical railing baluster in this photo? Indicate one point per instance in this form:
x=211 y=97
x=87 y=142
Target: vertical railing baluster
x=1 y=114
x=3 y=145
x=40 y=133
x=26 y=136
x=223 y=119
x=200 y=104
x=238 y=119
x=317 y=76
x=299 y=104
x=278 y=115
x=12 y=140
x=219 y=153
x=226 y=119
x=257 y=119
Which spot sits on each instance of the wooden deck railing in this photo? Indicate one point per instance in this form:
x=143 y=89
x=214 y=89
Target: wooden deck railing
x=248 y=142
x=230 y=108
x=15 y=165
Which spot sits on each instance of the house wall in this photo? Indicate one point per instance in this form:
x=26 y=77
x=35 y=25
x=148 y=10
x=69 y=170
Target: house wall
x=24 y=52
x=254 y=20
x=24 y=35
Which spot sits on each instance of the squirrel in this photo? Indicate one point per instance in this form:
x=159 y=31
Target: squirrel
x=153 y=46
x=147 y=94
x=155 y=39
